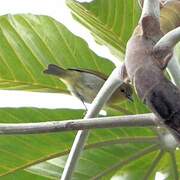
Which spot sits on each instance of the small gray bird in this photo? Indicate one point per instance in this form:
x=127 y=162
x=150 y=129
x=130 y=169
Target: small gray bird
x=85 y=84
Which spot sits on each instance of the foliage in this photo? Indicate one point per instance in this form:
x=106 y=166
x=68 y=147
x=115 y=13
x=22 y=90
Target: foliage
x=28 y=43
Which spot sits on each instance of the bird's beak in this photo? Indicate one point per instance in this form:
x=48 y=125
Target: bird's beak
x=130 y=98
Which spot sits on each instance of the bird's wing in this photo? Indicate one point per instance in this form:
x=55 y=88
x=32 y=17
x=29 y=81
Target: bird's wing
x=101 y=75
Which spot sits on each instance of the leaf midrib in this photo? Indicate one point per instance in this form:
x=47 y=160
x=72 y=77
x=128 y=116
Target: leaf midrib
x=89 y=146
x=39 y=85
x=111 y=36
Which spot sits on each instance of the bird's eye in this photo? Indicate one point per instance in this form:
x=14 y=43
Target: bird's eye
x=122 y=90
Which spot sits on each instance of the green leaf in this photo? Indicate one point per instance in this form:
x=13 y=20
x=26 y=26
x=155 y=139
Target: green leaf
x=178 y=52
x=141 y=165
x=111 y=22
x=99 y=163
x=119 y=142
x=21 y=175
x=135 y=107
x=29 y=43
x=95 y=162
x=21 y=151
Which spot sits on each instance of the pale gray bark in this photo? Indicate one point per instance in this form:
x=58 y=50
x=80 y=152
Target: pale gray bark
x=112 y=83
x=168 y=41
x=143 y=120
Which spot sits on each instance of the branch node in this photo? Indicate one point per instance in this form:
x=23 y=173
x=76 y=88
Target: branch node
x=166 y=44
x=162 y=57
x=150 y=26
x=150 y=18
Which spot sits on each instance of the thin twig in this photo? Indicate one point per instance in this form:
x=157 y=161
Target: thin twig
x=143 y=120
x=134 y=139
x=86 y=147
x=153 y=165
x=112 y=83
x=174 y=166
x=122 y=163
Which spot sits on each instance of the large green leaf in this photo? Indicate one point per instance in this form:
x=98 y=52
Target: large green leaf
x=28 y=43
x=102 y=18
x=21 y=151
x=97 y=163
x=113 y=146
x=21 y=175
x=110 y=21
x=131 y=159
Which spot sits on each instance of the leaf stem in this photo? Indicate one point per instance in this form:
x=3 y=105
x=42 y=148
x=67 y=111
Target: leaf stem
x=169 y=40
x=127 y=140
x=153 y=165
x=174 y=166
x=87 y=146
x=122 y=163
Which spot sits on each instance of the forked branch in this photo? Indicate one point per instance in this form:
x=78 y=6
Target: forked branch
x=161 y=96
x=145 y=68
x=113 y=82
x=167 y=43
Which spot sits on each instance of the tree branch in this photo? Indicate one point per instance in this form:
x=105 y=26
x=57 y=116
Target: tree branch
x=112 y=83
x=141 y=2
x=153 y=165
x=150 y=8
x=143 y=120
x=167 y=43
x=146 y=70
x=149 y=20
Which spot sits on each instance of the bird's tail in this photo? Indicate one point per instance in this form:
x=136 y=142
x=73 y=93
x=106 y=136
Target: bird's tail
x=55 y=70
